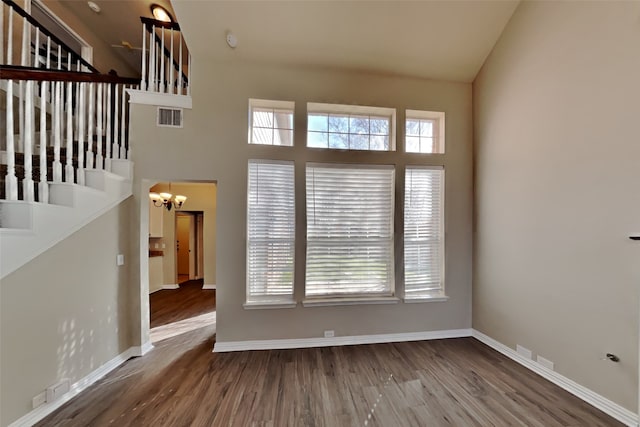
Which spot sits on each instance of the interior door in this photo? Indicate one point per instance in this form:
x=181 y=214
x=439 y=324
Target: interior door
x=183 y=231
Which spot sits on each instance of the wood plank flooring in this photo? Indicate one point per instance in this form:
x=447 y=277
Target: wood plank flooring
x=172 y=305
x=455 y=382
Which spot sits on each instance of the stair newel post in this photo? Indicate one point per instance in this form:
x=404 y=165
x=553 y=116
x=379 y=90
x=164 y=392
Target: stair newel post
x=123 y=149
x=90 y=129
x=57 y=166
x=82 y=108
x=107 y=162
x=27 y=182
x=115 y=149
x=43 y=186
x=179 y=91
x=162 y=63
x=143 y=85
x=68 y=170
x=171 y=91
x=99 y=134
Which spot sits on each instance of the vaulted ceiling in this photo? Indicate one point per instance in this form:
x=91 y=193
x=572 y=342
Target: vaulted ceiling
x=436 y=39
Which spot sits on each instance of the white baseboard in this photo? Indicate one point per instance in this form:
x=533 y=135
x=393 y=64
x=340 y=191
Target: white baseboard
x=141 y=350
x=616 y=411
x=42 y=411
x=170 y=287
x=221 y=347
x=208 y=286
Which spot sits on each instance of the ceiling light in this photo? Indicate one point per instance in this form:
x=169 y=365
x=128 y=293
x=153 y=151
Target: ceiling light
x=93 y=6
x=167 y=200
x=160 y=13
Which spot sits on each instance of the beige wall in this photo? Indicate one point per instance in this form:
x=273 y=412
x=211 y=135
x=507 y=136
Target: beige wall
x=200 y=197
x=213 y=147
x=65 y=313
x=556 y=115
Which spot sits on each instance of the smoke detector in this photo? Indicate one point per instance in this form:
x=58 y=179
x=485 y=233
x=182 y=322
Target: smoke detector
x=232 y=41
x=93 y=6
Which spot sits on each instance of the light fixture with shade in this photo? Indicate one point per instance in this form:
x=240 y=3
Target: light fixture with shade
x=167 y=200
x=160 y=13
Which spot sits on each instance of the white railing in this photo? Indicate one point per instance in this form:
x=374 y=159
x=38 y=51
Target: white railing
x=166 y=62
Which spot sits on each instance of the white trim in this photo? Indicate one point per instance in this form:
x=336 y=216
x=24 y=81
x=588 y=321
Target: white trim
x=268 y=305
x=438 y=298
x=140 y=351
x=161 y=99
x=221 y=347
x=42 y=411
x=209 y=286
x=170 y=287
x=616 y=411
x=322 y=302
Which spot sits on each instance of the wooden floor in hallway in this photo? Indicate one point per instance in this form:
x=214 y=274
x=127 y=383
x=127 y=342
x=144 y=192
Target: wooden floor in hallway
x=454 y=382
x=172 y=305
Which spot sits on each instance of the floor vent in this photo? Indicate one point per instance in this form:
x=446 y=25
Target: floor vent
x=170 y=117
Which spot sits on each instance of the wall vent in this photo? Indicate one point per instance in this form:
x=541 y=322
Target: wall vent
x=170 y=117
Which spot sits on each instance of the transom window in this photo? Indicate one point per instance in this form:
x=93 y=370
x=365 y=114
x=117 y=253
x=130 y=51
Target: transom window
x=271 y=122
x=424 y=132
x=347 y=127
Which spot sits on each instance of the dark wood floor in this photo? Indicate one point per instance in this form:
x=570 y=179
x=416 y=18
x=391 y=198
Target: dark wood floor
x=172 y=305
x=455 y=382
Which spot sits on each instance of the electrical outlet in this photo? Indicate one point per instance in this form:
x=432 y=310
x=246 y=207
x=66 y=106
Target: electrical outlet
x=524 y=351
x=545 y=362
x=39 y=399
x=120 y=259
x=163 y=246
x=329 y=334
x=156 y=245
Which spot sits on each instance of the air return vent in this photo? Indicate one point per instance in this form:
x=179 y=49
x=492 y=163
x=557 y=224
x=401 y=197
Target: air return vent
x=170 y=117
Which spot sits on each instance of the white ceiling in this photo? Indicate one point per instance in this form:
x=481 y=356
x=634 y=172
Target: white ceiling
x=437 y=39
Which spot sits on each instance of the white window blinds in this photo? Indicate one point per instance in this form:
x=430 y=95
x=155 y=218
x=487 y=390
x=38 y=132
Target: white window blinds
x=349 y=230
x=424 y=232
x=270 y=231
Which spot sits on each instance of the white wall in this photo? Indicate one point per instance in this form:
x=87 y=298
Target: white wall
x=557 y=169
x=212 y=146
x=65 y=313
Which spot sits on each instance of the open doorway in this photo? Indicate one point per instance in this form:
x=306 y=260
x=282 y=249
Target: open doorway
x=182 y=257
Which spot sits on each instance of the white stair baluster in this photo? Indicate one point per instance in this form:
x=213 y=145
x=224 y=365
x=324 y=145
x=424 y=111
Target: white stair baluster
x=122 y=154
x=90 y=130
x=99 y=157
x=115 y=149
x=179 y=92
x=82 y=112
x=27 y=182
x=108 y=138
x=171 y=82
x=57 y=113
x=11 y=182
x=143 y=84
x=189 y=76
x=162 y=63
x=152 y=53
x=68 y=170
x=43 y=185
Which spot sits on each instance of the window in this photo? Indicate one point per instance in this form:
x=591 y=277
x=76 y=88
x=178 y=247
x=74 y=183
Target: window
x=424 y=232
x=424 y=132
x=271 y=122
x=349 y=230
x=347 y=127
x=270 y=232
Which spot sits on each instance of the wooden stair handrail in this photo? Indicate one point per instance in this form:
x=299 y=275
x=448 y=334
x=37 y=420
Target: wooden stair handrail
x=48 y=33
x=149 y=23
x=16 y=72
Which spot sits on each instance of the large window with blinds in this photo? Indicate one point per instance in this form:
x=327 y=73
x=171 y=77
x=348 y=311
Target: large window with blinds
x=423 y=232
x=350 y=211
x=270 y=232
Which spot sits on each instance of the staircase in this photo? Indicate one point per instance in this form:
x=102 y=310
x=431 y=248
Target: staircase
x=64 y=146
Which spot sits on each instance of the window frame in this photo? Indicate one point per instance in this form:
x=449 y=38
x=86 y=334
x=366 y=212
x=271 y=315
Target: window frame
x=267 y=104
x=439 y=135
x=352 y=110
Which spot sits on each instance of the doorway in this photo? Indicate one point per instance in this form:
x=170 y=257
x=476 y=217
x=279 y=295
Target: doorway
x=189 y=246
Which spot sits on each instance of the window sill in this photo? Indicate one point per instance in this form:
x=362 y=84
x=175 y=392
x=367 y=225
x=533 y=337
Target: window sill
x=321 y=302
x=269 y=305
x=432 y=298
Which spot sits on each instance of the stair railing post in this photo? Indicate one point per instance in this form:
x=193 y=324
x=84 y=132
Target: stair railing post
x=171 y=82
x=90 y=130
x=143 y=85
x=152 y=52
x=99 y=158
x=11 y=182
x=56 y=117
x=179 y=92
x=122 y=154
x=43 y=185
x=162 y=63
x=68 y=170
x=82 y=109
x=107 y=143
x=27 y=182
x=115 y=149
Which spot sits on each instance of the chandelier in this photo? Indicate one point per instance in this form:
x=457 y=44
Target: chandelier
x=167 y=200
